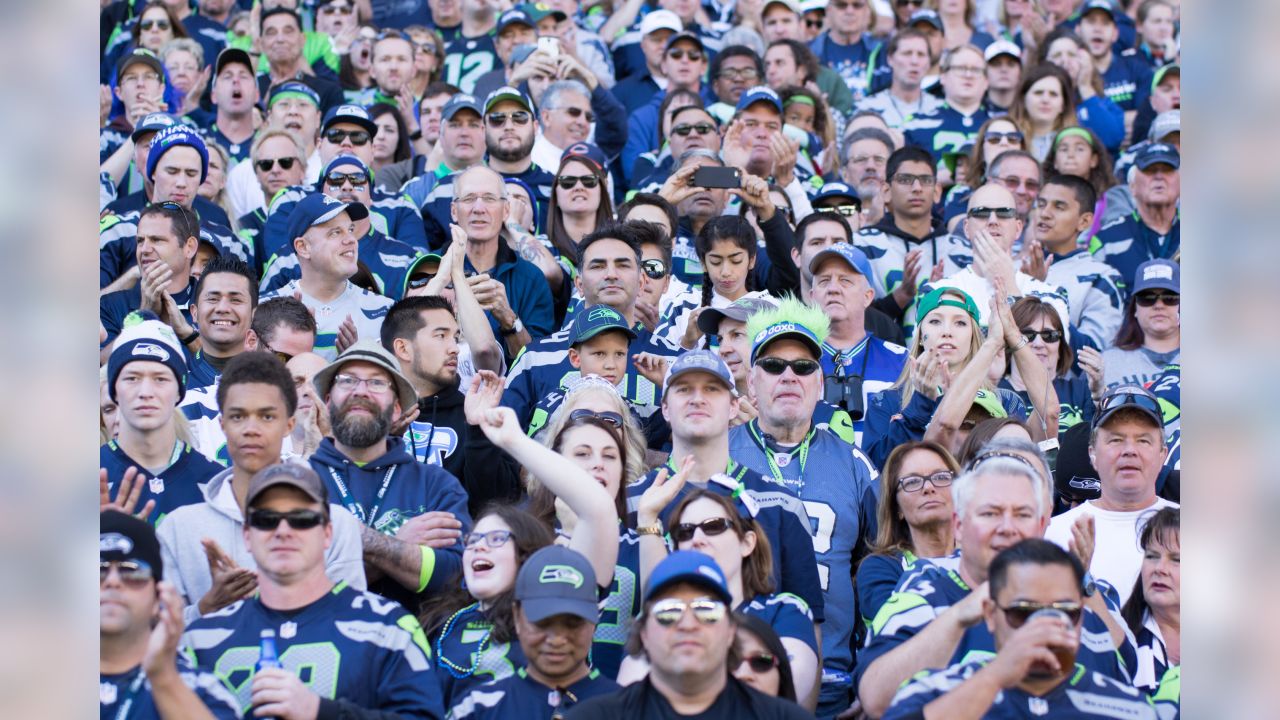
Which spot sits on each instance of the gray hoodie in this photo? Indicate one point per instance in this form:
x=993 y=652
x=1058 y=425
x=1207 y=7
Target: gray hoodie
x=219 y=518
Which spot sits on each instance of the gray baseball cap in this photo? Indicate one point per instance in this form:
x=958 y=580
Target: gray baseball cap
x=557 y=581
x=740 y=310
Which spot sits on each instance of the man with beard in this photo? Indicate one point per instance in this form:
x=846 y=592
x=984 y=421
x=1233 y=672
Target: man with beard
x=414 y=513
x=510 y=128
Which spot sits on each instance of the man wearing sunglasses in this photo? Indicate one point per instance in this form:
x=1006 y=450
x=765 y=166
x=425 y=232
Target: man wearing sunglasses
x=692 y=127
x=684 y=63
x=1034 y=613
x=933 y=619
x=341 y=650
x=140 y=672
x=510 y=129
x=1127 y=446
x=1154 y=229
x=656 y=27
x=788 y=442
x=686 y=631
x=846 y=46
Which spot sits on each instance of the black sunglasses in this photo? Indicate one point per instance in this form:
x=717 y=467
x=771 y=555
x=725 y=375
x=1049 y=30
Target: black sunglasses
x=1148 y=299
x=1013 y=136
x=568 y=182
x=678 y=54
x=715 y=526
x=654 y=268
x=1049 y=335
x=421 y=279
x=298 y=519
x=761 y=662
x=777 y=366
x=608 y=416
x=912 y=3
x=812 y=24
x=579 y=112
x=684 y=129
x=358 y=137
x=1018 y=613
x=266 y=164
x=1119 y=397
x=519 y=117
x=149 y=24
x=336 y=178
x=1004 y=213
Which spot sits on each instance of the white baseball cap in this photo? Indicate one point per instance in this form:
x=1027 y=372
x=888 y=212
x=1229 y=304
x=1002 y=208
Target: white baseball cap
x=660 y=20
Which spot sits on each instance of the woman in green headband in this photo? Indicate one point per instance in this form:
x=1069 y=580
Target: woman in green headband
x=804 y=109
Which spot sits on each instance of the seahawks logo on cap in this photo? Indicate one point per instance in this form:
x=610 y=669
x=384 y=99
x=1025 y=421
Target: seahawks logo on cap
x=352 y=110
x=602 y=312
x=711 y=573
x=114 y=542
x=150 y=350
x=1084 y=483
x=560 y=574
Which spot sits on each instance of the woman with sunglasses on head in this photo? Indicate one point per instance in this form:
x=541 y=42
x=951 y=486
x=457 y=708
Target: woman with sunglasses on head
x=714 y=524
x=1150 y=336
x=1040 y=324
x=471 y=628
x=763 y=664
x=1154 y=609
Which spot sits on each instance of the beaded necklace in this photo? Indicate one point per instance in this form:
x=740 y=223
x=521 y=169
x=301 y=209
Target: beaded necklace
x=452 y=668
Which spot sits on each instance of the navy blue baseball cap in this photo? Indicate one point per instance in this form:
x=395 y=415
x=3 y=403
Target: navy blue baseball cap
x=140 y=55
x=507 y=92
x=459 y=102
x=853 y=256
x=688 y=566
x=700 y=361
x=153 y=122
x=1131 y=396
x=586 y=151
x=787 y=329
x=838 y=190
x=514 y=16
x=556 y=580
x=1103 y=5
x=1158 y=274
x=293 y=88
x=685 y=35
x=350 y=114
x=1156 y=153
x=124 y=537
x=759 y=93
x=590 y=322
x=925 y=16
x=318 y=208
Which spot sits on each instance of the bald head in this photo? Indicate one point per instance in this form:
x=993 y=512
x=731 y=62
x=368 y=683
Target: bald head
x=986 y=205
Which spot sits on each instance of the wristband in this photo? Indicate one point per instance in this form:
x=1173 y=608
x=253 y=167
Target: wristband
x=190 y=338
x=428 y=567
x=654 y=529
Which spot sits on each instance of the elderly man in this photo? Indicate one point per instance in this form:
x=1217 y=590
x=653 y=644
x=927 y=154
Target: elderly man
x=1154 y=230
x=574 y=110
x=864 y=157
x=462 y=145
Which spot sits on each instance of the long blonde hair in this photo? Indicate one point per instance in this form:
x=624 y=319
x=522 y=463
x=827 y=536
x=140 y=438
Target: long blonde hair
x=904 y=384
x=632 y=435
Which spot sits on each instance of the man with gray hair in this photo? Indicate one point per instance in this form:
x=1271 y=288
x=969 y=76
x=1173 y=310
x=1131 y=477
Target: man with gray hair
x=933 y=618
x=863 y=159
x=578 y=111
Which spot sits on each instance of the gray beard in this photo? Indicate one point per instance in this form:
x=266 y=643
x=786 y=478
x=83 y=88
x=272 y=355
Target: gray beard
x=359 y=432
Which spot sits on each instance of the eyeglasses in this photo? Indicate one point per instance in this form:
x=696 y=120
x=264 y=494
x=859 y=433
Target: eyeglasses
x=498 y=119
x=983 y=212
x=1049 y=335
x=1018 y=613
x=915 y=483
x=776 y=366
x=568 y=182
x=712 y=527
x=994 y=454
x=683 y=129
x=160 y=24
x=576 y=112
x=266 y=164
x=608 y=416
x=336 y=179
x=1013 y=137
x=761 y=662
x=336 y=9
x=1013 y=183
x=358 y=137
x=494 y=539
x=1148 y=299
x=966 y=70
x=269 y=520
x=845 y=210
x=655 y=268
x=138 y=79
x=473 y=199
x=912 y=3
x=741 y=73
x=349 y=383
x=669 y=611
x=134 y=573
x=907 y=180
x=681 y=54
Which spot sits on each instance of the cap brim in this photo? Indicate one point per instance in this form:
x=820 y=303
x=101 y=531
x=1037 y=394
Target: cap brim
x=513 y=97
x=709 y=320
x=454 y=111
x=539 y=609
x=685 y=371
x=277 y=482
x=593 y=332
x=323 y=380
x=823 y=256
x=691 y=578
x=357 y=211
x=368 y=125
x=1106 y=415
x=790 y=335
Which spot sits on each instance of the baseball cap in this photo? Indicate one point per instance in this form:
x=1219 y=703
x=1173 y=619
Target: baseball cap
x=585 y=150
x=371 y=351
x=786 y=329
x=685 y=35
x=295 y=89
x=838 y=190
x=174 y=136
x=1074 y=476
x=344 y=159
x=145 y=338
x=140 y=55
x=1169 y=121
x=848 y=253
x=1103 y=5
x=1002 y=47
x=537 y=11
x=124 y=537
x=152 y=122
x=351 y=114
x=556 y=580
x=514 y=16
x=791 y=5
x=740 y=310
x=318 y=208
x=1158 y=274
x=688 y=566
x=425 y=265
x=811 y=5
x=507 y=92
x=1163 y=72
x=1156 y=153
x=925 y=16
x=700 y=361
x=759 y=93
x=292 y=474
x=590 y=322
x=1129 y=395
x=233 y=55
x=460 y=102
x=990 y=403
x=944 y=296
x=661 y=20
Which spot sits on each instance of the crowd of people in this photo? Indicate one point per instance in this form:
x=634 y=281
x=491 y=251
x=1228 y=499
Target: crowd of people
x=640 y=358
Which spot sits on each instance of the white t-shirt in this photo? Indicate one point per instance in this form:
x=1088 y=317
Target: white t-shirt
x=1116 y=555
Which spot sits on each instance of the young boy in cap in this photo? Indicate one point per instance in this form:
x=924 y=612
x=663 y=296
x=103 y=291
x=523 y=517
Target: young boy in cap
x=599 y=345
x=555 y=619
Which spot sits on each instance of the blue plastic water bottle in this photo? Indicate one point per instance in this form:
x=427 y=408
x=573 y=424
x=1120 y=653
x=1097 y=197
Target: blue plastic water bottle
x=267 y=655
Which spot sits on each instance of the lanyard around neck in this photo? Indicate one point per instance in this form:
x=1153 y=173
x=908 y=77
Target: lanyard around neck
x=355 y=508
x=753 y=427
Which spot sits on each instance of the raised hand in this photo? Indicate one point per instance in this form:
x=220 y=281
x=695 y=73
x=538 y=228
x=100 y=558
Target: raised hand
x=436 y=529
x=127 y=495
x=662 y=492
x=484 y=395
x=1091 y=362
x=347 y=335
x=651 y=367
x=230 y=581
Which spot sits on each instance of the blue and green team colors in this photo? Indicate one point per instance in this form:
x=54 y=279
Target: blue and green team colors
x=366 y=309
x=946 y=130
x=619 y=607
x=392 y=215
x=836 y=484
x=387 y=259
x=878 y=576
x=781 y=515
x=935 y=585
x=118 y=244
x=1127 y=82
x=886 y=248
x=1082 y=696
x=466 y=60
x=1127 y=242
x=200 y=407
x=466 y=658
x=788 y=615
x=877 y=362
x=520 y=697
x=1075 y=400
x=1093 y=294
x=128 y=695
x=178 y=484
x=1168 y=697
x=349 y=645
x=889 y=424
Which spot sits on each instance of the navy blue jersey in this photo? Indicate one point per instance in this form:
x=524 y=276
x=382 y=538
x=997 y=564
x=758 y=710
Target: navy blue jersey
x=114 y=306
x=128 y=695
x=200 y=373
x=239 y=151
x=520 y=696
x=850 y=61
x=387 y=259
x=348 y=645
x=1127 y=242
x=1083 y=696
x=390 y=214
x=836 y=484
x=878 y=576
x=619 y=607
x=252 y=228
x=118 y=244
x=400 y=14
x=1127 y=82
x=1075 y=400
x=877 y=362
x=787 y=614
x=182 y=483
x=781 y=515
x=467 y=59
x=465 y=657
x=889 y=424
x=946 y=130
